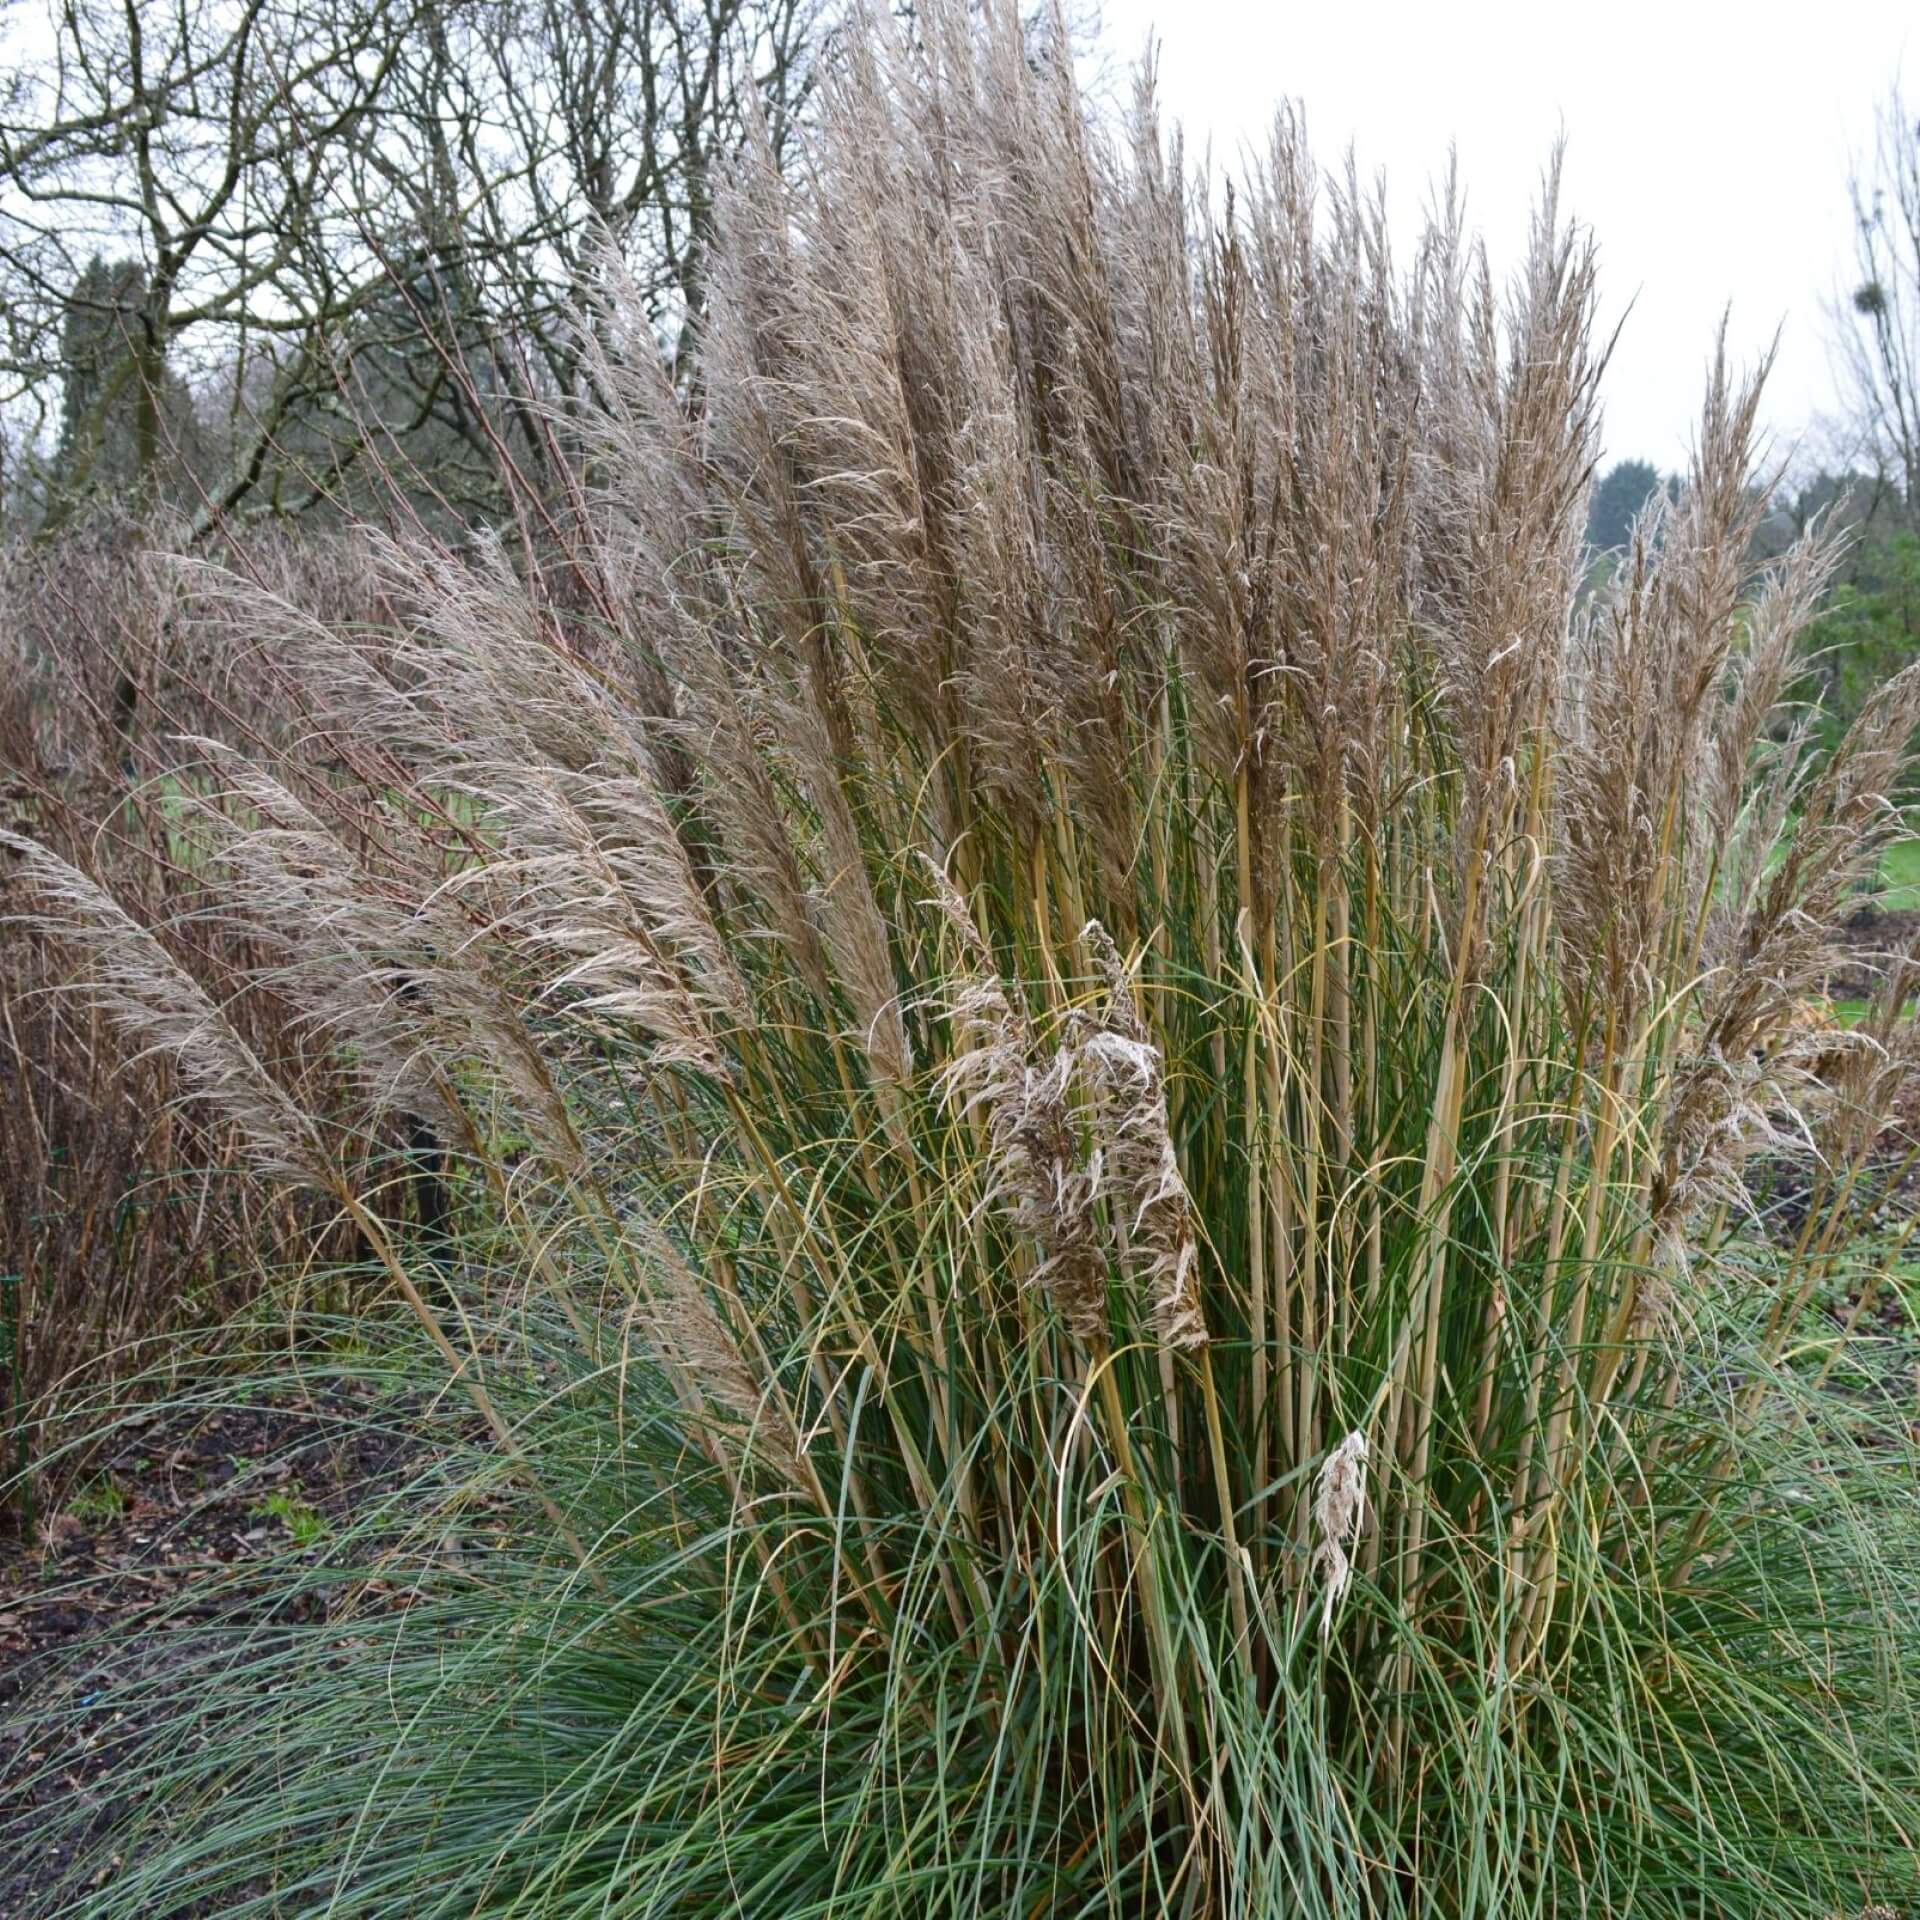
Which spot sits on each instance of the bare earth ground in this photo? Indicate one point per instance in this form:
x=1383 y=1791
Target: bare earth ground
x=171 y=1518
x=1872 y=939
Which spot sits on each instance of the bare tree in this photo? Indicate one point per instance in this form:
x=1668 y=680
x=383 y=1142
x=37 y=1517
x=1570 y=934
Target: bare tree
x=202 y=142
x=1877 y=325
x=522 y=136
x=325 y=221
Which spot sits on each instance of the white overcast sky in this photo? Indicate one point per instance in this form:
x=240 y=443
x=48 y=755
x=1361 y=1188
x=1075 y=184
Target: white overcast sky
x=1708 y=148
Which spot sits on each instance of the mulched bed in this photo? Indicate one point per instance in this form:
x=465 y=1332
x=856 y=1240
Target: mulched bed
x=170 y=1517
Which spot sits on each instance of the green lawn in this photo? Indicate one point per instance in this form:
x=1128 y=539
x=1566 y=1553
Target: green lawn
x=1899 y=893
x=1900 y=876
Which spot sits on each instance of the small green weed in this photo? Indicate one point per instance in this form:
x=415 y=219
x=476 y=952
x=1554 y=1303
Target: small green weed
x=306 y=1524
x=98 y=1502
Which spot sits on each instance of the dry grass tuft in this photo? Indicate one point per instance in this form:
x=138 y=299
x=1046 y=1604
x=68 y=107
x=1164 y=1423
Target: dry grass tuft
x=1295 y=1157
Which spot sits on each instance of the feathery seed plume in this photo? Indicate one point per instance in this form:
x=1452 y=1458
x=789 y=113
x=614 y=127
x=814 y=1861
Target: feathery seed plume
x=1339 y=1512
x=1139 y=1153
x=1038 y=1173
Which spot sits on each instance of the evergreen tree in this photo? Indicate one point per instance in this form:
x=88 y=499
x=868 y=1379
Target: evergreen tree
x=117 y=436
x=1617 y=500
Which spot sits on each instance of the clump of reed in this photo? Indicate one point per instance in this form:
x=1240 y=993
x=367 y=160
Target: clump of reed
x=1101 y=1043
x=127 y=1215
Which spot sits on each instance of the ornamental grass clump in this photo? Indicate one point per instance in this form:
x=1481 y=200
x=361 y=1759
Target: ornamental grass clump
x=1110 y=1067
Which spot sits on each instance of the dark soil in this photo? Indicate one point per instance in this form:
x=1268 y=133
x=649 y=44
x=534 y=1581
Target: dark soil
x=1870 y=943
x=167 y=1523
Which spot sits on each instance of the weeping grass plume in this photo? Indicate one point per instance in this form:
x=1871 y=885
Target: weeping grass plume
x=1099 y=1046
